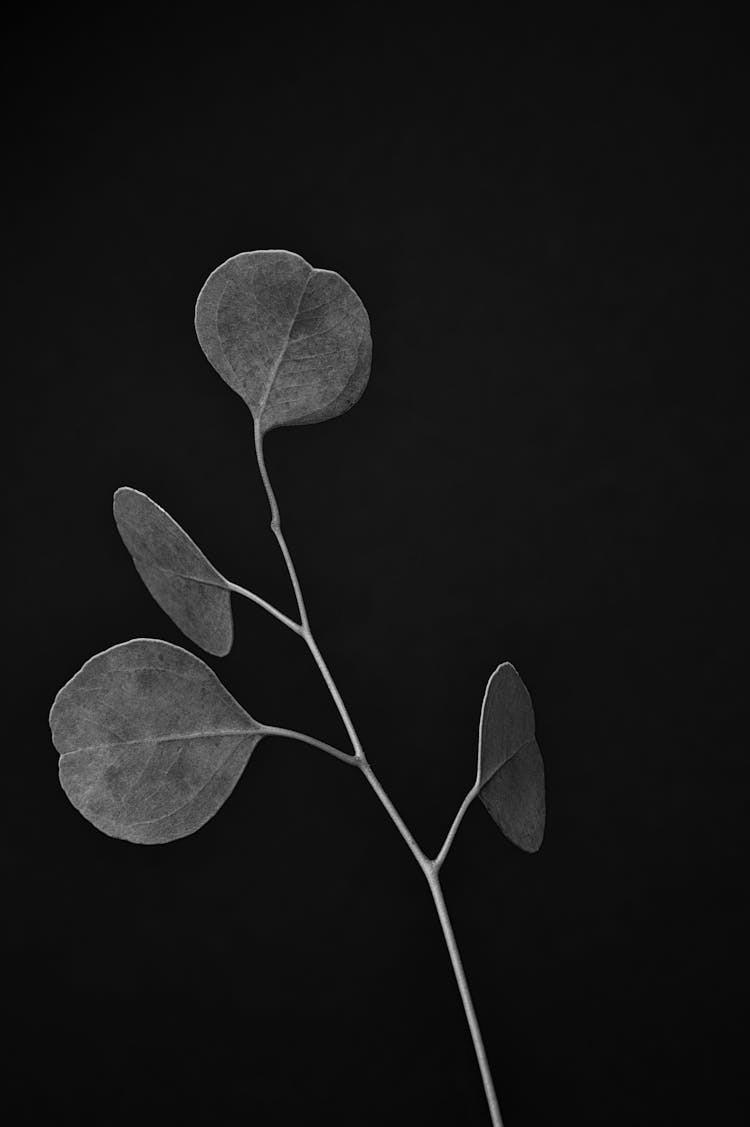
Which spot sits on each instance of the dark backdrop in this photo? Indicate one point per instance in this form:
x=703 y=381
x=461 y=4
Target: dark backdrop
x=547 y=226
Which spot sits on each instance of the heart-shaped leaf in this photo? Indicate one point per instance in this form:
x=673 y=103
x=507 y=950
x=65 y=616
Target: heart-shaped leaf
x=293 y=341
x=185 y=585
x=510 y=771
x=151 y=743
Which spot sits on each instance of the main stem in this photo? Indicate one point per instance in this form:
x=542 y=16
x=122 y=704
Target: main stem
x=463 y=987
x=429 y=867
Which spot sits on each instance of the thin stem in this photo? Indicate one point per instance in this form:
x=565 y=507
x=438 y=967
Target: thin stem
x=295 y=626
x=463 y=986
x=335 y=694
x=291 y=735
x=472 y=794
x=424 y=864
x=428 y=867
x=276 y=526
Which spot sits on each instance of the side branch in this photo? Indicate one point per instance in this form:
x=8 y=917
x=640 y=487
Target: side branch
x=291 y=735
x=428 y=867
x=472 y=794
x=288 y=622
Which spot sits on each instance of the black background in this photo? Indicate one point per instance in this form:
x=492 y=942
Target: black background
x=547 y=226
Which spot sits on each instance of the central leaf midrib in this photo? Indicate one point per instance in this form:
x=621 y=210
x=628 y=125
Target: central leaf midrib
x=191 y=800
x=218 y=732
x=505 y=762
x=146 y=551
x=285 y=346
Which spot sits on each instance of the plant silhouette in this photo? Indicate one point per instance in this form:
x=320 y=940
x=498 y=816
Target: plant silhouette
x=151 y=744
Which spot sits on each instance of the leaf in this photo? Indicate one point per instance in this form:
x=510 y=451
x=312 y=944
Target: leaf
x=510 y=770
x=507 y=720
x=514 y=796
x=185 y=585
x=151 y=743
x=293 y=341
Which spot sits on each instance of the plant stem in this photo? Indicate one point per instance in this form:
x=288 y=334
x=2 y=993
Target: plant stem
x=428 y=867
x=291 y=735
x=463 y=987
x=335 y=694
x=276 y=526
x=295 y=626
x=471 y=795
x=424 y=864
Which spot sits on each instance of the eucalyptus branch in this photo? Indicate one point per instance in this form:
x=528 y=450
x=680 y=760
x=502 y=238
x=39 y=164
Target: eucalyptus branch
x=429 y=868
x=151 y=744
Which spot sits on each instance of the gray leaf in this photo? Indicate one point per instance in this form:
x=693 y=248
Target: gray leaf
x=151 y=744
x=510 y=771
x=514 y=796
x=185 y=585
x=507 y=720
x=293 y=341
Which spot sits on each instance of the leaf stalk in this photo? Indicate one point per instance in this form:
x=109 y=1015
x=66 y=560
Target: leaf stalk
x=287 y=733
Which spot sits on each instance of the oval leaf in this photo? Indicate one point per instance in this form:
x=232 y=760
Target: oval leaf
x=507 y=720
x=151 y=743
x=510 y=771
x=293 y=341
x=185 y=585
x=514 y=796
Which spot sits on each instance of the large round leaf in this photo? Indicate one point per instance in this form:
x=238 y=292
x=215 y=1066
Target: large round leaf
x=151 y=743
x=292 y=340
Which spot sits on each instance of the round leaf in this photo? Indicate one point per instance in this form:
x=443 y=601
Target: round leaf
x=185 y=585
x=292 y=340
x=151 y=743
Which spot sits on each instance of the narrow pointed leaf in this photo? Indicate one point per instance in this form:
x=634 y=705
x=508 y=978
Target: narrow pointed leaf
x=185 y=585
x=510 y=770
x=151 y=744
x=292 y=340
x=514 y=796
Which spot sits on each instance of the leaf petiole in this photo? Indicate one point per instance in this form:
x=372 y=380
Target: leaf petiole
x=344 y=756
x=470 y=796
x=288 y=622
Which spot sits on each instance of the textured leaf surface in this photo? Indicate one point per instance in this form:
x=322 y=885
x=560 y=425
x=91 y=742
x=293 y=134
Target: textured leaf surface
x=151 y=743
x=507 y=720
x=292 y=340
x=514 y=796
x=185 y=585
x=510 y=769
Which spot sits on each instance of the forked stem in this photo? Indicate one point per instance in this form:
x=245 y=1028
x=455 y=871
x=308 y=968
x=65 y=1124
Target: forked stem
x=430 y=868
